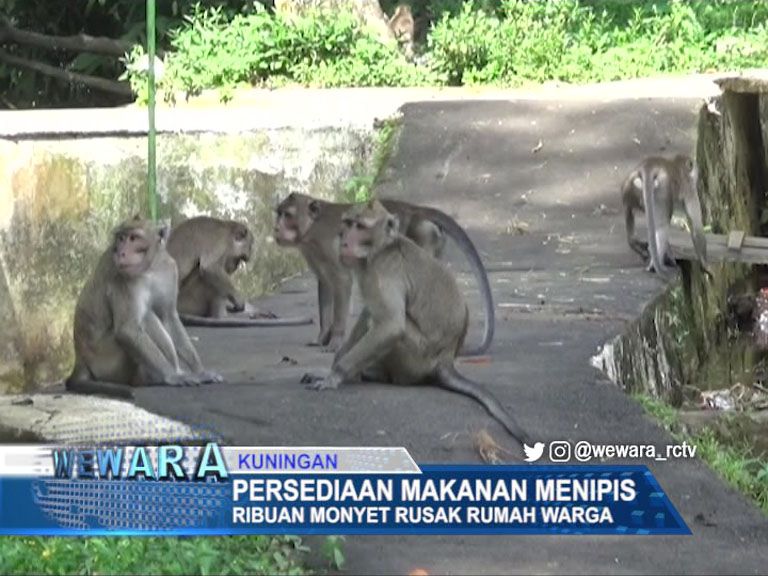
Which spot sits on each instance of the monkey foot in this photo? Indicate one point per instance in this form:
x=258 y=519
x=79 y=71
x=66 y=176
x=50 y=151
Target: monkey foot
x=207 y=377
x=313 y=382
x=269 y=314
x=204 y=377
x=178 y=382
x=322 y=384
x=309 y=378
x=331 y=342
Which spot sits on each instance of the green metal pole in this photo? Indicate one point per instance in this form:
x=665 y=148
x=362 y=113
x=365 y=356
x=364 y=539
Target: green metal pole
x=151 y=152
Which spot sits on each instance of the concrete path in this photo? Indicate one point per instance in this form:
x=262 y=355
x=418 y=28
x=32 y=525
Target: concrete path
x=551 y=168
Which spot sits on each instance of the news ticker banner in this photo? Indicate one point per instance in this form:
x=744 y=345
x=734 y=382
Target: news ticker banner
x=176 y=490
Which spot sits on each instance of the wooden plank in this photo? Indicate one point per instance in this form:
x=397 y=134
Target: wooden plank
x=735 y=239
x=722 y=239
x=756 y=242
x=753 y=250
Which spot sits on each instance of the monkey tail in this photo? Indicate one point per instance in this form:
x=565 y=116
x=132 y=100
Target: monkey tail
x=646 y=174
x=692 y=208
x=449 y=378
x=233 y=322
x=88 y=386
x=469 y=250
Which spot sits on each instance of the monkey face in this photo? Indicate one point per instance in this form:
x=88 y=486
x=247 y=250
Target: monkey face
x=355 y=242
x=134 y=249
x=240 y=248
x=295 y=216
x=366 y=230
x=286 y=231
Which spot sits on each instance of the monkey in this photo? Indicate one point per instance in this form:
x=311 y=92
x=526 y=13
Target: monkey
x=207 y=252
x=403 y=26
x=414 y=319
x=127 y=331
x=313 y=226
x=658 y=186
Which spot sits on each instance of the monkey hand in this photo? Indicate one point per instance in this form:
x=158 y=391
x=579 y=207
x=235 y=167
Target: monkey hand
x=267 y=314
x=322 y=339
x=236 y=304
x=209 y=377
x=329 y=382
x=334 y=343
x=181 y=379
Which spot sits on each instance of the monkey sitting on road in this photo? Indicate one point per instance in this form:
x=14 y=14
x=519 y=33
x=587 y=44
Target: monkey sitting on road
x=414 y=319
x=658 y=186
x=207 y=252
x=127 y=330
x=313 y=226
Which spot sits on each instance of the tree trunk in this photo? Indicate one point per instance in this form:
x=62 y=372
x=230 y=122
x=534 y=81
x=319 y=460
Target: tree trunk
x=368 y=12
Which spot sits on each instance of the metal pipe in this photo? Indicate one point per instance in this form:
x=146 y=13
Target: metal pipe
x=151 y=143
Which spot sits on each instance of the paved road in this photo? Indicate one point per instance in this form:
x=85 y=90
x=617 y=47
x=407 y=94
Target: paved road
x=477 y=161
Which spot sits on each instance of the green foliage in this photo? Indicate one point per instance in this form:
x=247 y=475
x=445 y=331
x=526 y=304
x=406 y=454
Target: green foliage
x=316 y=49
x=734 y=461
x=736 y=465
x=360 y=187
x=662 y=412
x=333 y=552
x=368 y=63
x=578 y=41
x=119 y=19
x=224 y=44
x=231 y=555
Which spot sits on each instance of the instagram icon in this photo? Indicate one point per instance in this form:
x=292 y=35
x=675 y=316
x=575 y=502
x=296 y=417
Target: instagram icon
x=559 y=451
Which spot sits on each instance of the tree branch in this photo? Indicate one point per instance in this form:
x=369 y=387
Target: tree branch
x=102 y=84
x=77 y=43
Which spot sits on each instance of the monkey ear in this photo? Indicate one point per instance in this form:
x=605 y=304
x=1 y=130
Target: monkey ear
x=393 y=225
x=314 y=208
x=137 y=217
x=241 y=232
x=163 y=232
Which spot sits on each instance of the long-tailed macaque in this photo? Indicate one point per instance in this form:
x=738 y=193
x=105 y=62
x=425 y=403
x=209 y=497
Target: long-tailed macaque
x=414 y=319
x=313 y=227
x=207 y=252
x=658 y=186
x=403 y=27
x=127 y=331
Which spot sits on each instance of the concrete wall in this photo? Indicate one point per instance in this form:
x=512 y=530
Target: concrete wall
x=661 y=351
x=67 y=177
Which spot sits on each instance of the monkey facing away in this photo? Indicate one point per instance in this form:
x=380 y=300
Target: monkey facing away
x=658 y=186
x=207 y=252
x=127 y=331
x=414 y=319
x=313 y=227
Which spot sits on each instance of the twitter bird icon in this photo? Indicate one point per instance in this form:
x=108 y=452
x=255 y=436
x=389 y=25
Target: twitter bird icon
x=533 y=453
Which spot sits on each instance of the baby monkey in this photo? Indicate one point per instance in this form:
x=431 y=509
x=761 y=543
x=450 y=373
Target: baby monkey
x=658 y=186
x=414 y=319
